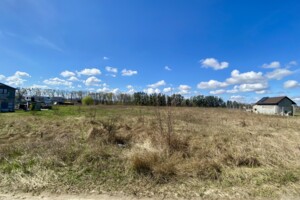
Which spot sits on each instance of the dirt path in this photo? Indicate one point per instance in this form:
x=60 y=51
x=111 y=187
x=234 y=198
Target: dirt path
x=65 y=197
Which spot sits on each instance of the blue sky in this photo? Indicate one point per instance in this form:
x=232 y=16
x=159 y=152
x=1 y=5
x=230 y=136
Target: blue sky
x=239 y=50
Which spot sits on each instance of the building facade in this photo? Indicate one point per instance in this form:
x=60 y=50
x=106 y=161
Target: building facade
x=275 y=105
x=7 y=98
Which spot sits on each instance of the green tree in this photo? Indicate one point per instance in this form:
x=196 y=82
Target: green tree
x=88 y=100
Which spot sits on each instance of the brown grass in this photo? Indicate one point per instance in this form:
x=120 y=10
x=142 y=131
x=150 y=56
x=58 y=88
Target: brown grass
x=173 y=152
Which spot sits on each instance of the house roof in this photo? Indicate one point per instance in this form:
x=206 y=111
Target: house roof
x=3 y=85
x=272 y=100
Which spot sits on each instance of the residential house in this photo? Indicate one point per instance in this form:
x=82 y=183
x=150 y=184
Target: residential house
x=7 y=98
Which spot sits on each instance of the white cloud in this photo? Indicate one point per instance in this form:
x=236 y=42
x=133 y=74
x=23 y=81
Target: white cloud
x=67 y=73
x=168 y=68
x=212 y=84
x=167 y=90
x=184 y=89
x=20 y=74
x=247 y=77
x=261 y=92
x=291 y=84
x=213 y=63
x=116 y=90
x=131 y=91
x=129 y=72
x=234 y=90
x=2 y=77
x=73 y=78
x=92 y=81
x=237 y=98
x=157 y=84
x=105 y=58
x=57 y=81
x=259 y=88
x=17 y=79
x=254 y=87
x=151 y=90
x=39 y=86
x=129 y=86
x=272 y=65
x=89 y=72
x=293 y=63
x=111 y=69
x=278 y=74
x=217 y=92
x=297 y=100
x=104 y=89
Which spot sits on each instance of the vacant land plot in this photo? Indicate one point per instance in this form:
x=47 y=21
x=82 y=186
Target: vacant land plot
x=150 y=152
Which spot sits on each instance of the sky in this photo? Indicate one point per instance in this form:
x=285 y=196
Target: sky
x=237 y=50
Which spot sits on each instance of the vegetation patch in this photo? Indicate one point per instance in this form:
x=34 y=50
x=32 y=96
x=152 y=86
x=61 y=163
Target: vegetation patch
x=150 y=152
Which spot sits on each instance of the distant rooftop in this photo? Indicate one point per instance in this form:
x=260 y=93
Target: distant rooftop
x=272 y=100
x=2 y=84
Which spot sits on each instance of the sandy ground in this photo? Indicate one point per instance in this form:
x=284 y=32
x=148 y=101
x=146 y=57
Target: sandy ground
x=65 y=197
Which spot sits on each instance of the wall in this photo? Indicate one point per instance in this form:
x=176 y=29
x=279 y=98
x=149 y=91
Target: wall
x=7 y=99
x=285 y=106
x=265 y=109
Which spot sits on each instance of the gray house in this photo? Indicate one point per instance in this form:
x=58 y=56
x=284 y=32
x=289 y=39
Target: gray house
x=7 y=98
x=275 y=105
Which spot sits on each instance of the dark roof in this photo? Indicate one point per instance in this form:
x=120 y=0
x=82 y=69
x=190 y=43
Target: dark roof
x=2 y=84
x=272 y=100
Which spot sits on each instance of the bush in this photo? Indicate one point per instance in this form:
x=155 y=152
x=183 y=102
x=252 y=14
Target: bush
x=88 y=100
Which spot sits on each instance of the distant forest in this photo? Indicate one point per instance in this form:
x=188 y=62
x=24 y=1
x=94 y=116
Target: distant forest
x=137 y=98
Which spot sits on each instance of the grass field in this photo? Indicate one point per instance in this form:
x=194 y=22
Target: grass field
x=151 y=152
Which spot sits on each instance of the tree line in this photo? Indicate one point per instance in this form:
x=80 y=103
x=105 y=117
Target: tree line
x=137 y=98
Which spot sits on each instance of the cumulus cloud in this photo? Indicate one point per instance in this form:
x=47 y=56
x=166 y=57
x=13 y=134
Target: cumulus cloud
x=278 y=74
x=293 y=63
x=17 y=79
x=89 y=72
x=217 y=92
x=20 y=74
x=168 y=68
x=152 y=90
x=104 y=89
x=212 y=84
x=259 y=88
x=291 y=84
x=237 y=98
x=111 y=69
x=67 y=74
x=73 y=78
x=247 y=77
x=214 y=64
x=157 y=84
x=57 y=82
x=39 y=86
x=167 y=90
x=272 y=65
x=129 y=72
x=184 y=89
x=105 y=58
x=254 y=87
x=92 y=81
x=296 y=99
x=2 y=77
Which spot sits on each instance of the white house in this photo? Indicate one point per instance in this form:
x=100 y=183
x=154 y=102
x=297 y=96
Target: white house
x=275 y=105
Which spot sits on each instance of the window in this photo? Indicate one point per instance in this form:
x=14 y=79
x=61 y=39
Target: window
x=1 y=91
x=4 y=91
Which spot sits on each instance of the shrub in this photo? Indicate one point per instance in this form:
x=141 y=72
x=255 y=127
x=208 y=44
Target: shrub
x=88 y=100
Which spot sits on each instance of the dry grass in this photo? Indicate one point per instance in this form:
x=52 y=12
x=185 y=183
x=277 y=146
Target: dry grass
x=173 y=152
